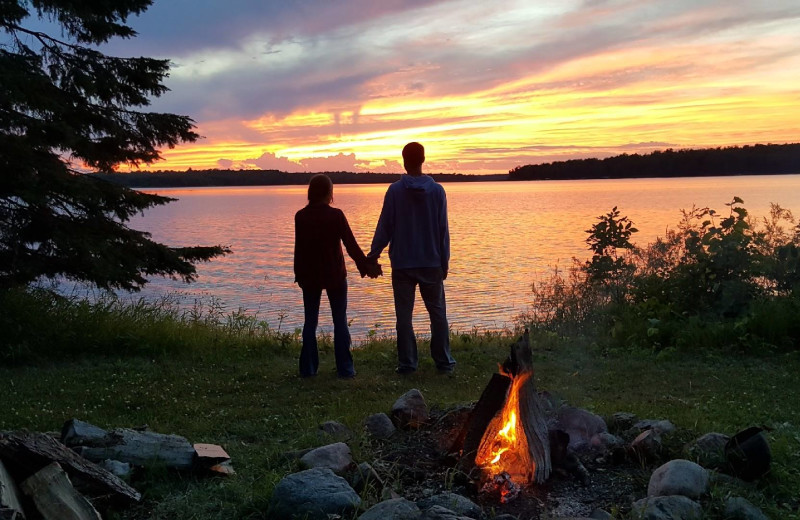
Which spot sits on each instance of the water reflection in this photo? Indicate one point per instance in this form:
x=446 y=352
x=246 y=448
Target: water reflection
x=503 y=234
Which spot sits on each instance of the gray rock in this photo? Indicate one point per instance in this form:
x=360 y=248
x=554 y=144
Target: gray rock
x=660 y=426
x=316 y=493
x=708 y=450
x=121 y=469
x=604 y=441
x=410 y=410
x=458 y=504
x=379 y=426
x=336 y=457
x=622 y=421
x=365 y=475
x=581 y=425
x=678 y=477
x=667 y=508
x=738 y=508
x=599 y=514
x=442 y=513
x=647 y=445
x=394 y=509
x=335 y=430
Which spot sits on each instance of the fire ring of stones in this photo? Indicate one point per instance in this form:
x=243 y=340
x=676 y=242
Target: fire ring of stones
x=515 y=454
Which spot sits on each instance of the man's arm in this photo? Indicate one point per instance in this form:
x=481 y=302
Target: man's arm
x=385 y=227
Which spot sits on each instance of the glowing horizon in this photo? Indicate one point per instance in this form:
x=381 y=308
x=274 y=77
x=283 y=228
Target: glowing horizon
x=330 y=90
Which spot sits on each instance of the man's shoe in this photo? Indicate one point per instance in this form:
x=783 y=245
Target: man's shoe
x=346 y=376
x=404 y=371
x=446 y=370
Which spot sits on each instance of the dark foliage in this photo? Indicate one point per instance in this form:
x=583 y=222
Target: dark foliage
x=717 y=281
x=67 y=108
x=747 y=160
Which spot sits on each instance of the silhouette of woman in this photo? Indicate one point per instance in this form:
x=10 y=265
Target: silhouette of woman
x=319 y=264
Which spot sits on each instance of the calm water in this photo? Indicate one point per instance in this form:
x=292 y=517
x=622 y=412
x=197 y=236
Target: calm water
x=504 y=235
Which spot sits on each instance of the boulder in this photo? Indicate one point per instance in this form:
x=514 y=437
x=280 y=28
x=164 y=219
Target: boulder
x=442 y=513
x=678 y=477
x=647 y=445
x=410 y=410
x=393 y=509
x=738 y=508
x=335 y=430
x=379 y=426
x=708 y=450
x=621 y=421
x=316 y=493
x=660 y=426
x=675 y=507
x=336 y=457
x=363 y=476
x=460 y=505
x=581 y=425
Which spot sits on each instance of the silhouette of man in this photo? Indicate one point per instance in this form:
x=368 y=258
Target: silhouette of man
x=413 y=223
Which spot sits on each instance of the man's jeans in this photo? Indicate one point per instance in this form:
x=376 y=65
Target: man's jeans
x=309 y=355
x=431 y=287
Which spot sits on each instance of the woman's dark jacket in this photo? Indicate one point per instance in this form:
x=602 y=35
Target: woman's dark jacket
x=319 y=231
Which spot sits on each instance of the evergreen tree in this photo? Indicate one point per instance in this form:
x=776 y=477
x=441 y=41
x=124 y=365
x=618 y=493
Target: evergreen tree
x=66 y=108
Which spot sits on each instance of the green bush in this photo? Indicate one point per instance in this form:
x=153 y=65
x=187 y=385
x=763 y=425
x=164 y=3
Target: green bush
x=716 y=281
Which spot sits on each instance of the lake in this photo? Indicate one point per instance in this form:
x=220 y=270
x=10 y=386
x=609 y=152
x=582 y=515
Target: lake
x=504 y=235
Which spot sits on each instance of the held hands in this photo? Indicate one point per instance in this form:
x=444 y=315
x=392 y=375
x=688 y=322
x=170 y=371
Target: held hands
x=372 y=269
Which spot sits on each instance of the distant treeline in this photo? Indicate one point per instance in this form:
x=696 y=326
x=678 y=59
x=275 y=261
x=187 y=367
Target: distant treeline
x=189 y=178
x=760 y=159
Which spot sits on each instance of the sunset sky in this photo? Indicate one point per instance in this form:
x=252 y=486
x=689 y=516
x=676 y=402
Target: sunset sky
x=308 y=85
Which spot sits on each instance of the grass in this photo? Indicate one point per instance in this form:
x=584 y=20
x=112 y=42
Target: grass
x=237 y=385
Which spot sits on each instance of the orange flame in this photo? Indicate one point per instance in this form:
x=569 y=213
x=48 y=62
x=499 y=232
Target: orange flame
x=507 y=450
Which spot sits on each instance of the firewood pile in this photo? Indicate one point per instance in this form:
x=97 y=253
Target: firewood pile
x=84 y=469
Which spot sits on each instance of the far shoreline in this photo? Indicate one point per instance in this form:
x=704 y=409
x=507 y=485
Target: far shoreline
x=769 y=159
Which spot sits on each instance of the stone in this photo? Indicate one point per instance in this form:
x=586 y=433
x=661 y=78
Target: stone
x=336 y=457
x=599 y=514
x=393 y=509
x=581 y=425
x=442 y=513
x=316 y=493
x=365 y=475
x=604 y=442
x=660 y=426
x=678 y=477
x=335 y=430
x=647 y=445
x=675 y=507
x=410 y=410
x=738 y=508
x=123 y=470
x=460 y=505
x=708 y=450
x=621 y=421
x=379 y=426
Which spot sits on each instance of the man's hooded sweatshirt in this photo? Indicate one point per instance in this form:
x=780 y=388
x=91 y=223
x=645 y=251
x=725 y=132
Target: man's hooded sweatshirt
x=413 y=223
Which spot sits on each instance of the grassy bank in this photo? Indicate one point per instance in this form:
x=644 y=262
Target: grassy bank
x=236 y=385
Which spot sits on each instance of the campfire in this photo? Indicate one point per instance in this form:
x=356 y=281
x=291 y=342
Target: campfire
x=507 y=434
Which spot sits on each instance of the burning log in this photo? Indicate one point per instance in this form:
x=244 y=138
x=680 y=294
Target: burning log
x=516 y=440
